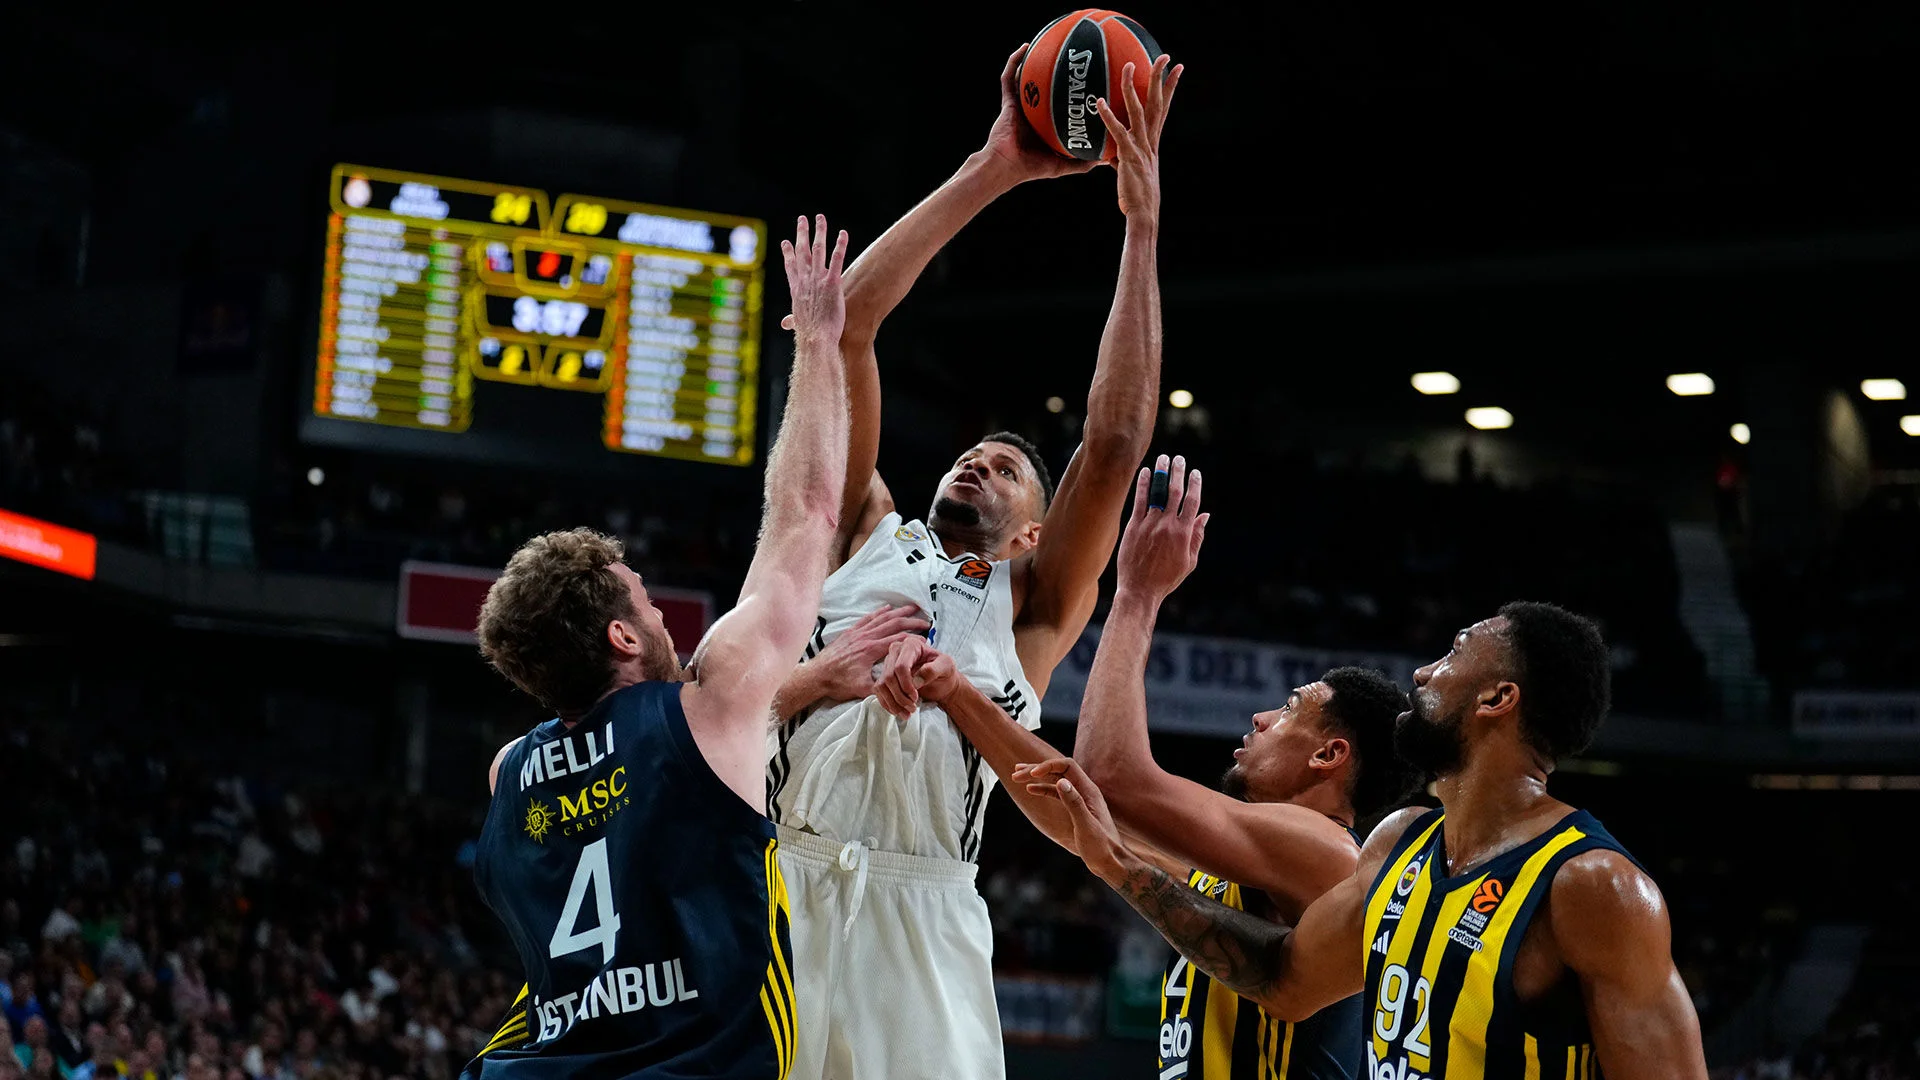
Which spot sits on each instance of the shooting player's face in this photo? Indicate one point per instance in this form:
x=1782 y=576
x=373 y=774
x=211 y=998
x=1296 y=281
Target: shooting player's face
x=992 y=488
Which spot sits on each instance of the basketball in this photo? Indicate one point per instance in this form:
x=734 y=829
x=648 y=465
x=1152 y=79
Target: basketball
x=1075 y=60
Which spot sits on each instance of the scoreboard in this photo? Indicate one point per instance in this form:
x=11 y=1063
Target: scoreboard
x=455 y=308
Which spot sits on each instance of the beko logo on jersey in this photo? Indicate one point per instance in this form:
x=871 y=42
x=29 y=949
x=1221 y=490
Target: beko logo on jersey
x=557 y=758
x=621 y=990
x=1397 y=1069
x=1395 y=909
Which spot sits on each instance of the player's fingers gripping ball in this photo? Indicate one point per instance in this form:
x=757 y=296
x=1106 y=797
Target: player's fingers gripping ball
x=1075 y=60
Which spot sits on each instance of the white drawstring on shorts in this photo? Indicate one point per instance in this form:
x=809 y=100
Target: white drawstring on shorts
x=853 y=857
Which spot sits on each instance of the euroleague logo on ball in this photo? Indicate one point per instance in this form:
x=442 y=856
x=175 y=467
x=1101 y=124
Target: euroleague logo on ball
x=1033 y=94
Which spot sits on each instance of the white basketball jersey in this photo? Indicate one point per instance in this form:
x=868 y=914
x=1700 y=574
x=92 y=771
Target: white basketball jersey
x=852 y=771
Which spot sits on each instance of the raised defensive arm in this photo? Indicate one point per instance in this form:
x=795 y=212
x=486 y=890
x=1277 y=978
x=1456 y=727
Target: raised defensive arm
x=747 y=654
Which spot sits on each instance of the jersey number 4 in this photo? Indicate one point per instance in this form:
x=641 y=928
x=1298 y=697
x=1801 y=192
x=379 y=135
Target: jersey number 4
x=593 y=871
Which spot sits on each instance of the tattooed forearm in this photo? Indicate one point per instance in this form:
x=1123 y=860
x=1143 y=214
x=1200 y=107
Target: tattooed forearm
x=1241 y=950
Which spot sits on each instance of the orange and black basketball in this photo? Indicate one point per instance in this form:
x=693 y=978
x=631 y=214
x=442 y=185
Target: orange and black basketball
x=1074 y=60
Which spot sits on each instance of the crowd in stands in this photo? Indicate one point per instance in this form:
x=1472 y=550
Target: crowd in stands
x=157 y=923
x=1843 y=615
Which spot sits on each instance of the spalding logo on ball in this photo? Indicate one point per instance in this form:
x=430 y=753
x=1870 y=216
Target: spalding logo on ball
x=1074 y=60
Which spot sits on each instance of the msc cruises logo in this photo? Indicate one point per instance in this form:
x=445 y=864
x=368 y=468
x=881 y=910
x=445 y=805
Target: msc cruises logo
x=539 y=820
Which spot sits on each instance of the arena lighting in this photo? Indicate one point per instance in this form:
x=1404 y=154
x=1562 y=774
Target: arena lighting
x=316 y=476
x=1180 y=399
x=1910 y=425
x=1489 y=418
x=1741 y=433
x=1056 y=404
x=1884 y=389
x=1694 y=384
x=1436 y=382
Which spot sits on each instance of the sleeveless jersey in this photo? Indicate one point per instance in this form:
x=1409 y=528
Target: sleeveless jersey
x=645 y=901
x=850 y=771
x=1208 y=1032
x=1439 y=986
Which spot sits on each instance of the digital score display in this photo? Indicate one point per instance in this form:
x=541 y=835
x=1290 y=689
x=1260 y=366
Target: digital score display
x=460 y=308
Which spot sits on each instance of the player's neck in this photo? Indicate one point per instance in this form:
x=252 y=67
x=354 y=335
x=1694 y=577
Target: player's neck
x=1493 y=803
x=957 y=540
x=1327 y=800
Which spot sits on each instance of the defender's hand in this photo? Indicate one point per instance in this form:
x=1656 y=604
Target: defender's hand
x=1161 y=545
x=1137 y=142
x=1014 y=143
x=900 y=685
x=1095 y=838
x=845 y=667
x=813 y=279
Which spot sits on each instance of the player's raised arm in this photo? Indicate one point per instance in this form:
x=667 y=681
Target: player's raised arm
x=883 y=275
x=1281 y=848
x=747 y=654
x=1291 y=972
x=1063 y=572
x=1611 y=926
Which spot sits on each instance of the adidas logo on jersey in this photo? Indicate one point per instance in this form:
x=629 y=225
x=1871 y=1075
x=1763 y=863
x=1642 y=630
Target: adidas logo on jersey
x=1380 y=943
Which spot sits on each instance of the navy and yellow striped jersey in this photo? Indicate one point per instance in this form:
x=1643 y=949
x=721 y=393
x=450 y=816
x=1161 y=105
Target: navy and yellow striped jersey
x=645 y=900
x=1440 y=1001
x=1208 y=1032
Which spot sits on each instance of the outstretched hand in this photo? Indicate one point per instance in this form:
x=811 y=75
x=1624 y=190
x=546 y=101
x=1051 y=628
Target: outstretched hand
x=914 y=671
x=1014 y=142
x=1095 y=837
x=813 y=280
x=1161 y=544
x=845 y=666
x=1136 y=141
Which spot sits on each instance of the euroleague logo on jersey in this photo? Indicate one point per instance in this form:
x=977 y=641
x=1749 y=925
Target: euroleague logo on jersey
x=975 y=572
x=1489 y=896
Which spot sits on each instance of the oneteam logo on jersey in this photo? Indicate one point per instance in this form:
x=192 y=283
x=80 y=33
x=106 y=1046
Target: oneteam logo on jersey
x=975 y=572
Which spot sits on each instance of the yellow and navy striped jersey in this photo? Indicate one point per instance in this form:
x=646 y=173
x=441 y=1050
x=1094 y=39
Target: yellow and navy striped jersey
x=1440 y=1003
x=1208 y=1032
x=644 y=899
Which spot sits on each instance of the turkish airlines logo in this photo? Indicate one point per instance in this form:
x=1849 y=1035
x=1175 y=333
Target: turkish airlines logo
x=1489 y=896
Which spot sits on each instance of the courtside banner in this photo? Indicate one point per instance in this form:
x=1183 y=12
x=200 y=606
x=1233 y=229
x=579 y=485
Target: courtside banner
x=1856 y=714
x=441 y=602
x=1211 y=686
x=41 y=543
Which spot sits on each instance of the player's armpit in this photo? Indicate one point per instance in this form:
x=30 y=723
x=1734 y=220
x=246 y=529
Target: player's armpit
x=1060 y=578
x=1611 y=927
x=493 y=771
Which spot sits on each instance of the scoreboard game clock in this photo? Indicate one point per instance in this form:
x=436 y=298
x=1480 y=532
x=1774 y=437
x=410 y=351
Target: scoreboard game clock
x=459 y=308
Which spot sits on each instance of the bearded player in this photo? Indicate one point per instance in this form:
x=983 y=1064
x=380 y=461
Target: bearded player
x=1279 y=833
x=879 y=820
x=625 y=847
x=1505 y=934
